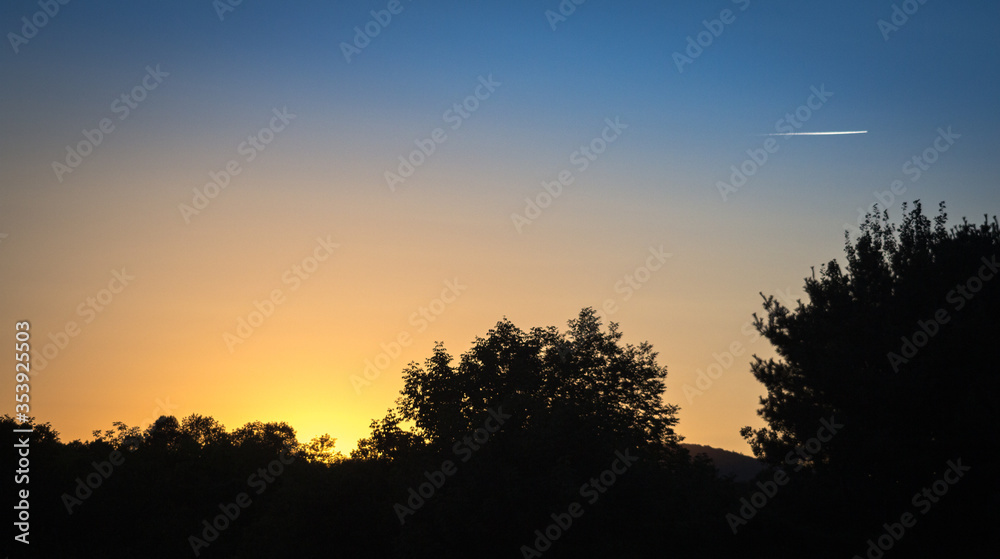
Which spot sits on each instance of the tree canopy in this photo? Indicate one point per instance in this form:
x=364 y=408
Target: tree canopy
x=898 y=348
x=579 y=386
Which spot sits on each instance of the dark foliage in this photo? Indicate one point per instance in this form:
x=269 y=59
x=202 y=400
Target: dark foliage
x=899 y=347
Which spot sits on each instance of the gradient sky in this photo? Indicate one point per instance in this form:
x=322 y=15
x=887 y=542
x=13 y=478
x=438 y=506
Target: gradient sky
x=158 y=345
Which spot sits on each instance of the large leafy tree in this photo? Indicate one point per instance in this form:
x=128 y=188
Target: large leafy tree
x=205 y=430
x=528 y=421
x=271 y=436
x=898 y=347
x=581 y=388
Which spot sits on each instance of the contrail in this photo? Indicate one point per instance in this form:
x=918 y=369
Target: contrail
x=818 y=133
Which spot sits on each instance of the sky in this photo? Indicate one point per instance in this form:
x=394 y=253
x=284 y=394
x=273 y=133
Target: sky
x=235 y=208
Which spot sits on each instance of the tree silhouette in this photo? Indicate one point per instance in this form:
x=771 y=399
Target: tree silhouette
x=205 y=430
x=387 y=441
x=899 y=349
x=322 y=450
x=271 y=437
x=526 y=420
x=165 y=434
x=583 y=386
x=121 y=437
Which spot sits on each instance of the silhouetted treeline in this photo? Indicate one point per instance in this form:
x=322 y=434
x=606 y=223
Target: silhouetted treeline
x=549 y=443
x=556 y=442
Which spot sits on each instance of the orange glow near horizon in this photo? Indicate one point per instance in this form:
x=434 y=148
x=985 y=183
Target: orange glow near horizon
x=159 y=346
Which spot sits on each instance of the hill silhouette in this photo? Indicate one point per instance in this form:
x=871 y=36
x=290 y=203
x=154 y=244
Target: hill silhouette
x=738 y=467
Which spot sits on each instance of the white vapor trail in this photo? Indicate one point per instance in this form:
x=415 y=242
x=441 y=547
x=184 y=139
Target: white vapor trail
x=818 y=133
